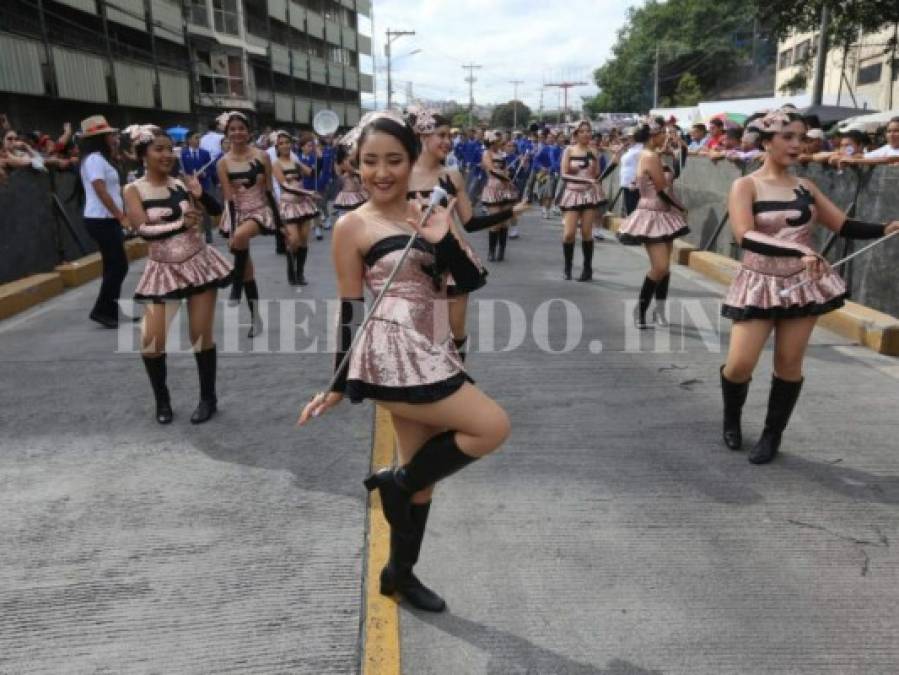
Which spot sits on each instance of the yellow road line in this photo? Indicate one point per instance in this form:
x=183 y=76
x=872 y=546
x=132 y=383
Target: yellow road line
x=381 y=640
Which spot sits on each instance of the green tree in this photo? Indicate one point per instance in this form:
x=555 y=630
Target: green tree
x=706 y=38
x=783 y=17
x=504 y=115
x=688 y=92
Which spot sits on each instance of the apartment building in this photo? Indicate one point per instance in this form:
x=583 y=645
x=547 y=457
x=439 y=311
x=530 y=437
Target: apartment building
x=867 y=74
x=280 y=61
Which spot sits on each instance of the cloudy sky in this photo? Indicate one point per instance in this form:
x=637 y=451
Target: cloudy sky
x=534 y=41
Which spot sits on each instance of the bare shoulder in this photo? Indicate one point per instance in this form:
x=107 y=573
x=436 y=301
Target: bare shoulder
x=456 y=177
x=743 y=187
x=350 y=225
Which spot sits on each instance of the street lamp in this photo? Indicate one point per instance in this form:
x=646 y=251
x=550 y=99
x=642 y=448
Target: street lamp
x=391 y=36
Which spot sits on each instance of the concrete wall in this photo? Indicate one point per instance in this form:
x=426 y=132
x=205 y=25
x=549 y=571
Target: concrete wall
x=873 y=277
x=32 y=239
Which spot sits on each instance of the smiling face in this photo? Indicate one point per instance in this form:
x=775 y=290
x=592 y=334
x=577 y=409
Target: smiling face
x=283 y=146
x=160 y=157
x=784 y=148
x=583 y=133
x=237 y=132
x=439 y=144
x=385 y=167
x=893 y=134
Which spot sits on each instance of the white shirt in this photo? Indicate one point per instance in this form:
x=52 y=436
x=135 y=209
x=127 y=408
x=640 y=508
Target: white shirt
x=884 y=151
x=629 y=161
x=451 y=161
x=211 y=142
x=96 y=167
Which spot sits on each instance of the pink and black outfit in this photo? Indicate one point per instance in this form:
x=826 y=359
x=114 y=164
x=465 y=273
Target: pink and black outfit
x=654 y=220
x=352 y=195
x=581 y=196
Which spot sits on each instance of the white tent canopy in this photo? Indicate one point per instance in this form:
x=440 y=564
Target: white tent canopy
x=868 y=123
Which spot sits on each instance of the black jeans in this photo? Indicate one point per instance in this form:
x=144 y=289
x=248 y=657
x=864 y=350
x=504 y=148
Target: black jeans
x=107 y=232
x=631 y=197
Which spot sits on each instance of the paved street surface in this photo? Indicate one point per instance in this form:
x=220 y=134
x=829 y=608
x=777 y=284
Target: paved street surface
x=613 y=534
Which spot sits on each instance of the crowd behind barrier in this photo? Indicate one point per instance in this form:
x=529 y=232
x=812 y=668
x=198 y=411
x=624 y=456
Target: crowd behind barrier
x=873 y=278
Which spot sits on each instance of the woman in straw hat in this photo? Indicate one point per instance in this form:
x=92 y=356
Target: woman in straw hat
x=104 y=215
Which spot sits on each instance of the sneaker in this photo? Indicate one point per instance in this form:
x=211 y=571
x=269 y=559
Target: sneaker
x=545 y=214
x=513 y=232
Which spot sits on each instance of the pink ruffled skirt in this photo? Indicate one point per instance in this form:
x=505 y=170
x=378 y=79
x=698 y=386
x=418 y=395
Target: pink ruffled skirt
x=581 y=199
x=249 y=208
x=297 y=211
x=171 y=278
x=498 y=192
x=347 y=201
x=755 y=295
x=646 y=226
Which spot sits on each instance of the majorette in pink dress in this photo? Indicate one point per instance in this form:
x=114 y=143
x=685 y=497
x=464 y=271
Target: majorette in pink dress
x=499 y=191
x=180 y=263
x=352 y=195
x=654 y=220
x=578 y=196
x=295 y=205
x=249 y=199
x=755 y=291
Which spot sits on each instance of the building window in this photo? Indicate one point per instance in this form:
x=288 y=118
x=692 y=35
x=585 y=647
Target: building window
x=802 y=51
x=225 y=15
x=869 y=74
x=339 y=55
x=786 y=59
x=221 y=74
x=199 y=13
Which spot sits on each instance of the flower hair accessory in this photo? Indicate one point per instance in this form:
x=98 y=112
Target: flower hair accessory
x=774 y=122
x=422 y=120
x=350 y=140
x=141 y=133
x=654 y=126
x=223 y=119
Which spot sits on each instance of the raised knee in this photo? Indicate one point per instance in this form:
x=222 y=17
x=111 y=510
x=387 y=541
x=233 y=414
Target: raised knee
x=500 y=429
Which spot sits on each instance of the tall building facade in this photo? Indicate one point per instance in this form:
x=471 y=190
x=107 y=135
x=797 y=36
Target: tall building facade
x=280 y=61
x=865 y=74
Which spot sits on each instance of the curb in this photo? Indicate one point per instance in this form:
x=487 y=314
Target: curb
x=381 y=634
x=873 y=329
x=17 y=296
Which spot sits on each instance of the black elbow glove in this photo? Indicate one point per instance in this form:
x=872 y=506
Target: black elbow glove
x=451 y=256
x=211 y=204
x=858 y=229
x=608 y=171
x=273 y=205
x=352 y=310
x=477 y=223
x=665 y=197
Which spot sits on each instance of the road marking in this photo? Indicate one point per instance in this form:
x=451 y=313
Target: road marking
x=882 y=364
x=381 y=639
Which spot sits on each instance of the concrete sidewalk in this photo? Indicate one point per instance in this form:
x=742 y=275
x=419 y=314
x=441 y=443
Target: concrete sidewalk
x=612 y=534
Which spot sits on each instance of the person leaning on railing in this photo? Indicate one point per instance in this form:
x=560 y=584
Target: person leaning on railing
x=886 y=154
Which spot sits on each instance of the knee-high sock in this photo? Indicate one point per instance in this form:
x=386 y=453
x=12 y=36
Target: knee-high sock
x=587 y=250
x=301 y=254
x=662 y=287
x=240 y=266
x=492 y=238
x=252 y=292
x=568 y=255
x=646 y=293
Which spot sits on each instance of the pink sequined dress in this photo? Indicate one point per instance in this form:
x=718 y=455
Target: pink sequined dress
x=654 y=220
x=180 y=263
x=499 y=191
x=577 y=196
x=755 y=291
x=352 y=195
x=452 y=288
x=295 y=209
x=406 y=352
x=250 y=200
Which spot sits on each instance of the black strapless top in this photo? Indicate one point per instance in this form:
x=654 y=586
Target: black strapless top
x=802 y=203
x=248 y=177
x=443 y=181
x=176 y=195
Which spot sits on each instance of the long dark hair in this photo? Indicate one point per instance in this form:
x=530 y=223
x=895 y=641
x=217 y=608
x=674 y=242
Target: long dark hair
x=401 y=132
x=98 y=143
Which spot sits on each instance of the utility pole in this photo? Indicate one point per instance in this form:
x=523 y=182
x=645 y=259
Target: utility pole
x=655 y=81
x=471 y=67
x=391 y=36
x=563 y=89
x=515 y=84
x=818 y=92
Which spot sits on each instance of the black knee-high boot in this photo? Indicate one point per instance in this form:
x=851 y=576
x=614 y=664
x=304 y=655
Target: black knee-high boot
x=587 y=272
x=492 y=238
x=503 y=236
x=237 y=285
x=460 y=347
x=659 y=313
x=568 y=255
x=252 y=292
x=646 y=293
x=206 y=368
x=300 y=258
x=397 y=575
x=291 y=267
x=781 y=402
x=438 y=458
x=280 y=247
x=734 y=395
x=156 y=371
